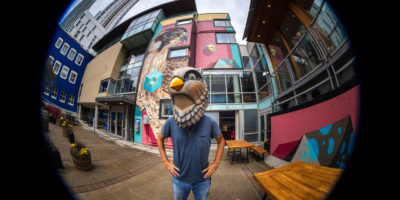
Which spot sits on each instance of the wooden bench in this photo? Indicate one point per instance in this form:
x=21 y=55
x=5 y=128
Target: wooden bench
x=260 y=151
x=298 y=180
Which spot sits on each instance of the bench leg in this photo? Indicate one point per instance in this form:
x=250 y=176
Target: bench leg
x=233 y=156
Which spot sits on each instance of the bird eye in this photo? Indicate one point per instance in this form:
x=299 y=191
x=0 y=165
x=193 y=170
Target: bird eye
x=192 y=76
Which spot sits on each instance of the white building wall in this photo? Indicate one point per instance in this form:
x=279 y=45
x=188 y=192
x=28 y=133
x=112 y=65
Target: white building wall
x=87 y=31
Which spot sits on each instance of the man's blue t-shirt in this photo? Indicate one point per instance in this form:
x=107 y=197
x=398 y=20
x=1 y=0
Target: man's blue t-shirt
x=191 y=150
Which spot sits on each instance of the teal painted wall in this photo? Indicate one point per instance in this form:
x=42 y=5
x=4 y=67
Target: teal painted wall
x=138 y=135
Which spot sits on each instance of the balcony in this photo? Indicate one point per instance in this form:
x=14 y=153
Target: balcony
x=141 y=30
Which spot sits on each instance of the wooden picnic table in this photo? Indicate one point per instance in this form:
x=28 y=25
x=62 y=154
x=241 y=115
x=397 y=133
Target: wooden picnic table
x=238 y=144
x=298 y=180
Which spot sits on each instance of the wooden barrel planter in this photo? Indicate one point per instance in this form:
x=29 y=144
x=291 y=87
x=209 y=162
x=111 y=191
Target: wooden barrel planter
x=83 y=163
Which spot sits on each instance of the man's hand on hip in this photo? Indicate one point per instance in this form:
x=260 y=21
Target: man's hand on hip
x=171 y=168
x=212 y=167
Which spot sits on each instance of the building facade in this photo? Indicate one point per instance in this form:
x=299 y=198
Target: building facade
x=87 y=31
x=63 y=72
x=114 y=12
x=77 y=12
x=303 y=58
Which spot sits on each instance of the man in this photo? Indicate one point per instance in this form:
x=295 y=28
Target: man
x=191 y=134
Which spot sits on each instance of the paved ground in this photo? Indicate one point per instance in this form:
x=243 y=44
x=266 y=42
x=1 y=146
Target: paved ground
x=126 y=170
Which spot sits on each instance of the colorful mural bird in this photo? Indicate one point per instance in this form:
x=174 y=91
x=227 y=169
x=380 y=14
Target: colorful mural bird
x=156 y=60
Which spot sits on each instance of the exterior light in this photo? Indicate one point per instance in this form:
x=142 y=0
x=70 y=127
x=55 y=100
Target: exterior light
x=258 y=36
x=263 y=21
x=269 y=5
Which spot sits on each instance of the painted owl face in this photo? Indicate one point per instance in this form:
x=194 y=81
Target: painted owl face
x=189 y=94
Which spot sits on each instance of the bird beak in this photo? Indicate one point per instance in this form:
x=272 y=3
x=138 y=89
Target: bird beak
x=176 y=83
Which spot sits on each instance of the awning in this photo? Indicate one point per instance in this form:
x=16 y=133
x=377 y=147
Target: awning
x=119 y=99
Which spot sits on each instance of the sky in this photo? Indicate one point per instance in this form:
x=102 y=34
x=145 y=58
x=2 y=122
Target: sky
x=237 y=9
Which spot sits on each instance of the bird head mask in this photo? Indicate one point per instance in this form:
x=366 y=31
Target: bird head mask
x=189 y=95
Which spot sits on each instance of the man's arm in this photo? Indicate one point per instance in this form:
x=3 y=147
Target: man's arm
x=212 y=167
x=168 y=164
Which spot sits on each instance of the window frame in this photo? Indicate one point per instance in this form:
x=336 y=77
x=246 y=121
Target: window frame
x=70 y=75
x=58 y=70
x=76 y=59
x=161 y=114
x=52 y=93
x=61 y=50
x=69 y=53
x=216 y=38
x=46 y=89
x=69 y=99
x=225 y=20
x=63 y=95
x=59 y=39
x=67 y=68
x=183 y=21
x=170 y=50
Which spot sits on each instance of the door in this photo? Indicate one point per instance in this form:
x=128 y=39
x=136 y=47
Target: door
x=113 y=122
x=119 y=123
x=263 y=130
x=227 y=124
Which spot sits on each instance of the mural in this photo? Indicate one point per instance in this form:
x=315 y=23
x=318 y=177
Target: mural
x=157 y=68
x=285 y=140
x=225 y=63
x=329 y=146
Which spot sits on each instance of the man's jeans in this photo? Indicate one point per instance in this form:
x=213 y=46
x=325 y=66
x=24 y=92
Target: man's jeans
x=182 y=189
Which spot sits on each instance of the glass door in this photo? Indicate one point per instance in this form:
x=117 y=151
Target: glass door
x=119 y=123
x=263 y=128
x=113 y=122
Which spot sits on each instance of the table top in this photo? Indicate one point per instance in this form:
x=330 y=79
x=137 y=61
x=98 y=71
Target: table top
x=298 y=180
x=237 y=144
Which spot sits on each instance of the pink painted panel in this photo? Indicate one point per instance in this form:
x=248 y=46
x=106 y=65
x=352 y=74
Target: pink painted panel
x=148 y=137
x=206 y=35
x=290 y=127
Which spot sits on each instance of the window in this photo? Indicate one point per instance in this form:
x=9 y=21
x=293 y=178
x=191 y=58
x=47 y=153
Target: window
x=222 y=23
x=72 y=77
x=64 y=72
x=47 y=89
x=56 y=67
x=59 y=42
x=79 y=59
x=165 y=108
x=71 y=99
x=225 y=38
x=329 y=27
x=182 y=22
x=71 y=54
x=177 y=53
x=62 y=96
x=50 y=61
x=54 y=93
x=64 y=49
x=103 y=86
x=292 y=29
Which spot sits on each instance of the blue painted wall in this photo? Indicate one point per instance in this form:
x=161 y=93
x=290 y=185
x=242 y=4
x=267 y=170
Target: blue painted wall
x=60 y=83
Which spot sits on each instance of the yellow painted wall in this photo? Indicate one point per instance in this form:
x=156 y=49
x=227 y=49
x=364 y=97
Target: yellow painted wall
x=105 y=65
x=173 y=20
x=211 y=16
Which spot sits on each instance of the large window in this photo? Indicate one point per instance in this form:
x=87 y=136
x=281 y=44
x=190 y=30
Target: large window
x=72 y=77
x=182 y=22
x=107 y=85
x=329 y=28
x=222 y=23
x=225 y=38
x=79 y=59
x=56 y=67
x=129 y=73
x=62 y=96
x=230 y=87
x=148 y=21
x=178 y=53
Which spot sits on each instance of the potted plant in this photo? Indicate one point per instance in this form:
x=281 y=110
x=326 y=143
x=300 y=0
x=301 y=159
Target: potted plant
x=81 y=156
